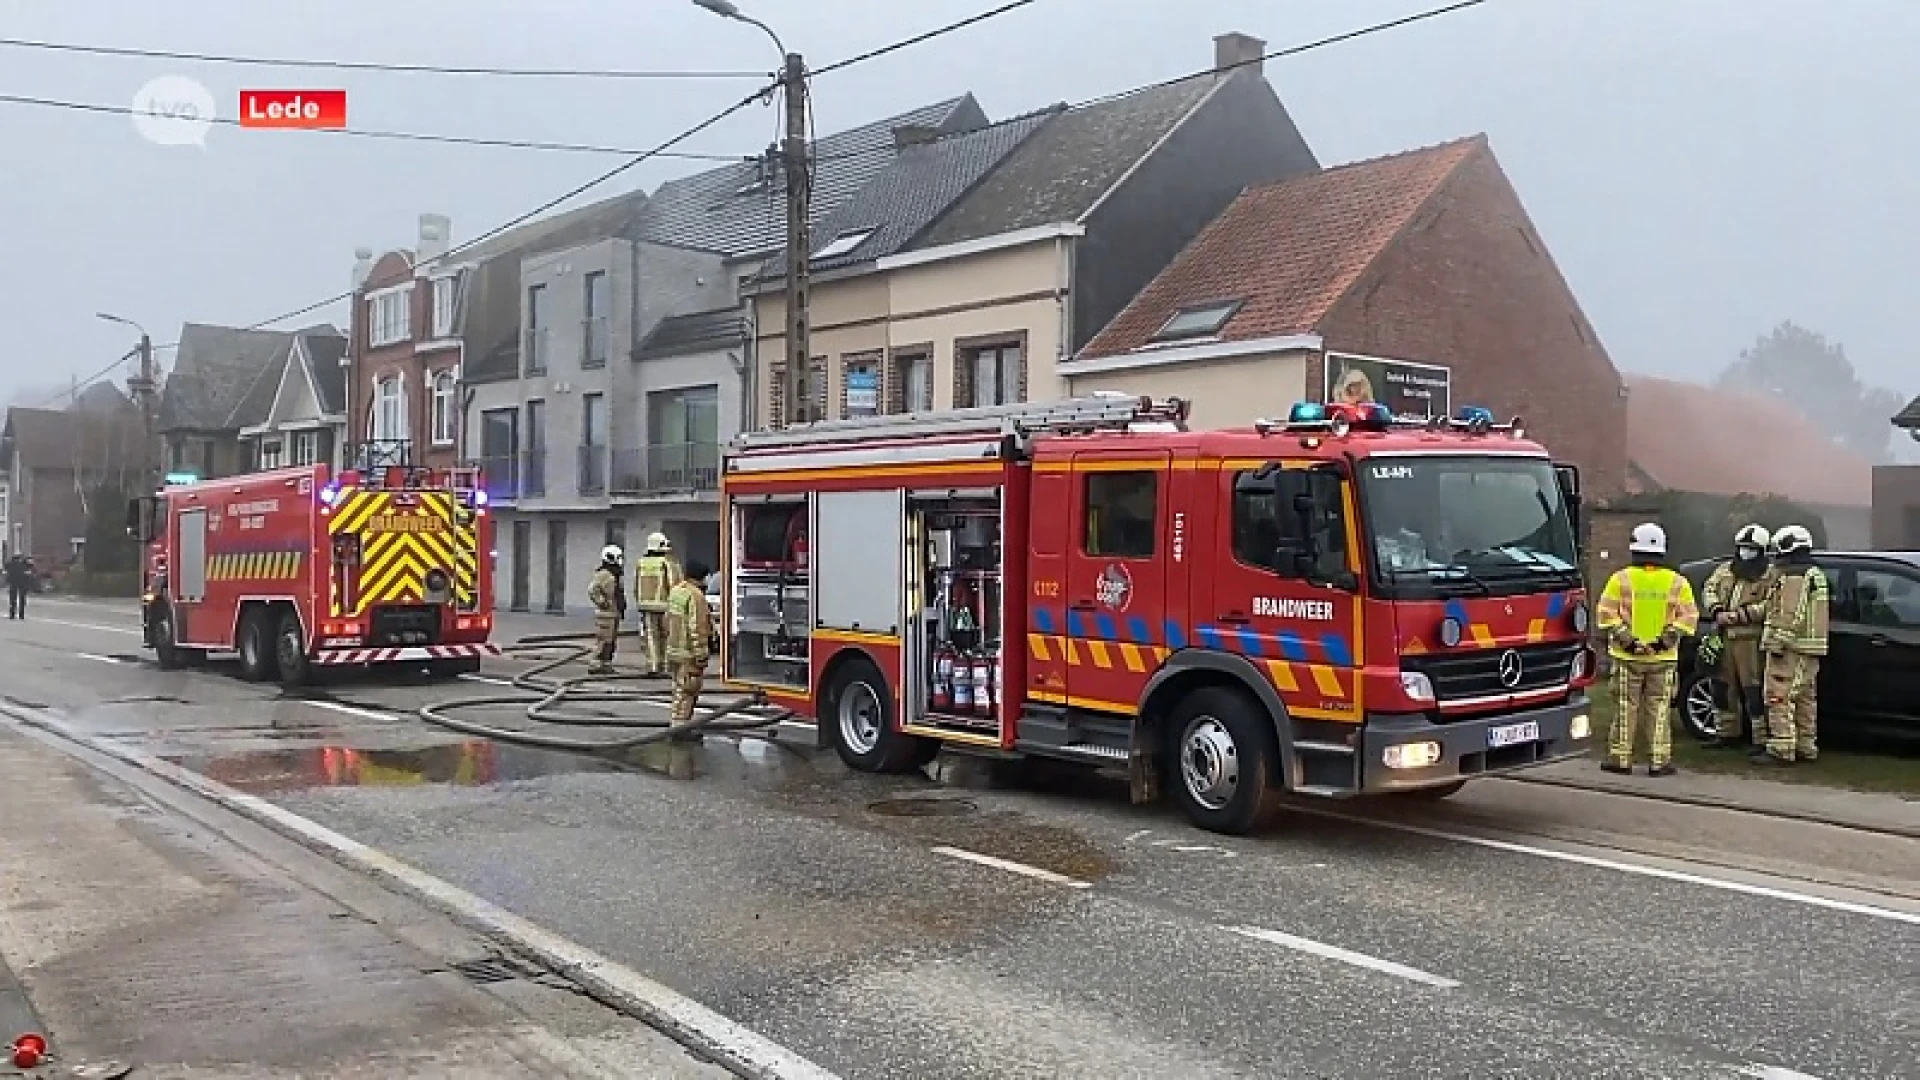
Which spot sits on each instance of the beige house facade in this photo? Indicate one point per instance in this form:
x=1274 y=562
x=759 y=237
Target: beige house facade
x=1227 y=383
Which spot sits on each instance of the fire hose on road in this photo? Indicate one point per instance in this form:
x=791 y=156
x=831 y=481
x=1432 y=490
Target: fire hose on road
x=546 y=700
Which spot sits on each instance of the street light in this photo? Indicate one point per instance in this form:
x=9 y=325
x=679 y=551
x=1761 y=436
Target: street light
x=727 y=9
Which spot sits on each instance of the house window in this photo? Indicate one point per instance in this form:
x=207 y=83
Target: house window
x=860 y=386
x=387 y=321
x=617 y=533
x=683 y=429
x=271 y=454
x=990 y=375
x=446 y=292
x=1121 y=508
x=595 y=337
x=389 y=421
x=1197 y=321
x=444 y=412
x=536 y=347
x=911 y=387
x=843 y=244
x=306 y=448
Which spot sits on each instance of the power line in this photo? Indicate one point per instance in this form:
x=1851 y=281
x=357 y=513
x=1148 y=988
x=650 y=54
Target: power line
x=927 y=36
x=362 y=65
x=1205 y=73
x=362 y=133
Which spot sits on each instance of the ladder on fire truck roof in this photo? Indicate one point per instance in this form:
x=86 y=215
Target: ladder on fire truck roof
x=1101 y=411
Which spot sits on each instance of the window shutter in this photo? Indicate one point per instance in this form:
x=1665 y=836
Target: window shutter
x=776 y=395
x=817 y=392
x=963 y=387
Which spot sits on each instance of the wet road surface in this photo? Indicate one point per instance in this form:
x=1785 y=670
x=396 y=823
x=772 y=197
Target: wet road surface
x=997 y=922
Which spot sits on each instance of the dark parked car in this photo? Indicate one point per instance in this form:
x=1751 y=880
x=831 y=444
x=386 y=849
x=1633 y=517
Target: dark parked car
x=1870 y=680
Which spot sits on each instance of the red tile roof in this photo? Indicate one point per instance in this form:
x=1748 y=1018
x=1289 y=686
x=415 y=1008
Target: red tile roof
x=1688 y=437
x=1291 y=250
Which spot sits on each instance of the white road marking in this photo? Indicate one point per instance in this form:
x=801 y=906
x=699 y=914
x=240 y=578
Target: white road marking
x=1769 y=892
x=1345 y=956
x=733 y=1045
x=1205 y=847
x=352 y=710
x=1774 y=1072
x=1135 y=836
x=97 y=656
x=135 y=631
x=1012 y=867
x=490 y=680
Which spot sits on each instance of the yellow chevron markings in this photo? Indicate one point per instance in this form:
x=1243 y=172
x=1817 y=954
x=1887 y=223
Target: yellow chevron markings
x=1037 y=645
x=1282 y=673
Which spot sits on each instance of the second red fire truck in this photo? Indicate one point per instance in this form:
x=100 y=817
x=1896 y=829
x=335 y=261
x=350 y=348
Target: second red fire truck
x=298 y=568
x=1338 y=603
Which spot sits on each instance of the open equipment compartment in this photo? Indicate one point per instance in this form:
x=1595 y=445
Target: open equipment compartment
x=770 y=611
x=957 y=655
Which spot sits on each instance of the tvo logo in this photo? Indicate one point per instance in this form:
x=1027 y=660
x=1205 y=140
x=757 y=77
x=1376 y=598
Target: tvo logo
x=173 y=110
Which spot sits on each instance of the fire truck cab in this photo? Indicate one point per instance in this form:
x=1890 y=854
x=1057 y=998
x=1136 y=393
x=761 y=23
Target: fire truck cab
x=298 y=568
x=1337 y=603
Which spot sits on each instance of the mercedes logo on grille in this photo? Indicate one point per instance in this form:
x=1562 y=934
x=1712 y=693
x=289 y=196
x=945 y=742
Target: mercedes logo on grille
x=1510 y=668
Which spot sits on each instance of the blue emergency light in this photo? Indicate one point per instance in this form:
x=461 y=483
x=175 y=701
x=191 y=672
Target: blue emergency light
x=329 y=494
x=1307 y=412
x=182 y=478
x=1475 y=415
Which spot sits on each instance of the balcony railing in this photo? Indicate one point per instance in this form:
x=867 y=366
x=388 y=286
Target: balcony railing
x=533 y=474
x=593 y=470
x=379 y=454
x=514 y=476
x=533 y=351
x=665 y=468
x=594 y=343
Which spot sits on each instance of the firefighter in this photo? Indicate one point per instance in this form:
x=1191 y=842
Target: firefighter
x=689 y=642
x=609 y=598
x=1793 y=639
x=653 y=580
x=1734 y=605
x=1644 y=611
x=19 y=581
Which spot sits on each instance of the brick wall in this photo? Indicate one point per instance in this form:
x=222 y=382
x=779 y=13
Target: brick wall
x=1470 y=285
x=416 y=370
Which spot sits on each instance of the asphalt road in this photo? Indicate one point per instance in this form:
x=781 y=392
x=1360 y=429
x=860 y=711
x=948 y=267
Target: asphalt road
x=987 y=925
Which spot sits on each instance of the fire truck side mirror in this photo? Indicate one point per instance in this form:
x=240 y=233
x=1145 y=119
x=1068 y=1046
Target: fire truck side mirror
x=1569 y=479
x=143 y=519
x=135 y=525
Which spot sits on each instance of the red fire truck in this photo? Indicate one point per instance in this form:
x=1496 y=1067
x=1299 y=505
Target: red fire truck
x=1338 y=603
x=299 y=567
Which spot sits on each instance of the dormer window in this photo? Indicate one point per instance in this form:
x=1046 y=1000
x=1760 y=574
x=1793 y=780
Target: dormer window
x=844 y=244
x=1198 y=321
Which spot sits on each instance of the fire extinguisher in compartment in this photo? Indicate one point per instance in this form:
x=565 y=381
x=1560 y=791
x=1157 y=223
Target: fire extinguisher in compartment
x=982 y=688
x=962 y=685
x=800 y=548
x=943 y=678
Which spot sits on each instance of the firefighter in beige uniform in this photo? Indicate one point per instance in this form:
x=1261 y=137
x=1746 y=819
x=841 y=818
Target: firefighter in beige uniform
x=609 y=599
x=1793 y=640
x=1735 y=603
x=653 y=580
x=689 y=641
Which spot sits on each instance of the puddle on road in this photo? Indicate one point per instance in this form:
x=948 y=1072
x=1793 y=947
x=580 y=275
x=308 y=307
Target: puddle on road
x=474 y=763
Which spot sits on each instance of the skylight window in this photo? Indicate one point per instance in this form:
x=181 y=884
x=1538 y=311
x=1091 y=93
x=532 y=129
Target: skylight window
x=844 y=244
x=1202 y=320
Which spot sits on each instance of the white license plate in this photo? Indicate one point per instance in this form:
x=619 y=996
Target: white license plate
x=1513 y=734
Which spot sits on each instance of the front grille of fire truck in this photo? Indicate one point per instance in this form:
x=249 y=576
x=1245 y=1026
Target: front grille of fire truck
x=404 y=624
x=1465 y=676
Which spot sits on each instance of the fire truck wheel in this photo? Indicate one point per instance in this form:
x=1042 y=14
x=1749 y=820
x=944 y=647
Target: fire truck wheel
x=859 y=715
x=290 y=652
x=1223 y=759
x=256 y=645
x=170 y=655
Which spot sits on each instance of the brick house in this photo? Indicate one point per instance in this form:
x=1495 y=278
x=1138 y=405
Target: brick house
x=1417 y=280
x=53 y=462
x=403 y=352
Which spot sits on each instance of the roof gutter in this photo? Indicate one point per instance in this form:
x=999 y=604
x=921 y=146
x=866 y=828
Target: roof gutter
x=982 y=245
x=1197 y=353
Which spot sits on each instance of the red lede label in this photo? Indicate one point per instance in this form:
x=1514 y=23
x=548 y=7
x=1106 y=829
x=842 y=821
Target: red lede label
x=293 y=108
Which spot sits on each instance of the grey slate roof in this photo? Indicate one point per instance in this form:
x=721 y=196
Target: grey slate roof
x=714 y=211
x=80 y=439
x=324 y=351
x=215 y=374
x=922 y=181
x=102 y=397
x=1064 y=168
x=1908 y=417
x=700 y=331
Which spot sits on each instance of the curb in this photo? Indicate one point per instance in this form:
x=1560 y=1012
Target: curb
x=1712 y=803
x=733 y=1047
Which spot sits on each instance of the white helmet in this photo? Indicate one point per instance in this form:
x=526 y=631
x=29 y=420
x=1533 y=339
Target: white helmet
x=1753 y=536
x=1792 y=540
x=612 y=554
x=659 y=542
x=1648 y=539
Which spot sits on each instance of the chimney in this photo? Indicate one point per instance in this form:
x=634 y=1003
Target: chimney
x=1236 y=51
x=362 y=266
x=435 y=231
x=913 y=134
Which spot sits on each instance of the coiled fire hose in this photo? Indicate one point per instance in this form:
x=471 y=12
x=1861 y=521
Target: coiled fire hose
x=545 y=701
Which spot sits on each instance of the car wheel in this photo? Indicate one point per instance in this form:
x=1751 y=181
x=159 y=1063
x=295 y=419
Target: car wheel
x=859 y=717
x=1223 y=759
x=1699 y=711
x=257 y=646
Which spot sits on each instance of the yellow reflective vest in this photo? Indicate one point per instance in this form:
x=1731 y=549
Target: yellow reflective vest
x=1648 y=604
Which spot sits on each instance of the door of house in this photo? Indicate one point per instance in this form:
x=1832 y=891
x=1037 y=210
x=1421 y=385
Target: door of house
x=556 y=567
x=522 y=566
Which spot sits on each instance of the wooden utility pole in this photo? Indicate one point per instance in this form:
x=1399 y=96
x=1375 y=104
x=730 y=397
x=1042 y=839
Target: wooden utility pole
x=799 y=395
x=143 y=387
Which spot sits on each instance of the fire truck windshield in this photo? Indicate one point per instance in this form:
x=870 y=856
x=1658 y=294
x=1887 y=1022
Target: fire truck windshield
x=1446 y=525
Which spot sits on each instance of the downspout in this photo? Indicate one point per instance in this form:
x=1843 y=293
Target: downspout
x=1063 y=302
x=750 y=369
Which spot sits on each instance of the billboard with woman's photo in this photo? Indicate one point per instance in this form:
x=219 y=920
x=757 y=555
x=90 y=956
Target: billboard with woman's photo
x=1406 y=387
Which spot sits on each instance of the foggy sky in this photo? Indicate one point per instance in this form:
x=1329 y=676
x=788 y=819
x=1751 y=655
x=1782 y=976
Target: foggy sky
x=1700 y=169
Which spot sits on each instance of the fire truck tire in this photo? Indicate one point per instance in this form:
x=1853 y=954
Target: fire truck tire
x=256 y=645
x=859 y=719
x=290 y=652
x=166 y=651
x=1223 y=759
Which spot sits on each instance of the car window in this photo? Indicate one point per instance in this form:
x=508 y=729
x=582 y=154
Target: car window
x=1880 y=598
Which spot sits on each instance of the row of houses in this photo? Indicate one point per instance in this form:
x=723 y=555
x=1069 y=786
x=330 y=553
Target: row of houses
x=1183 y=239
